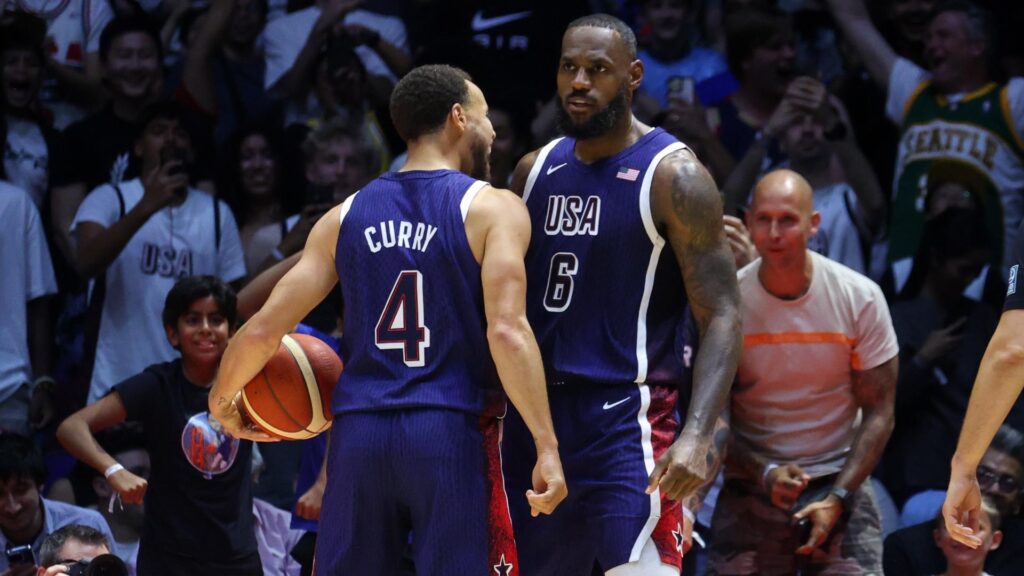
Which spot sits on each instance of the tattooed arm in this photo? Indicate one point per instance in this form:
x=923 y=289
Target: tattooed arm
x=687 y=209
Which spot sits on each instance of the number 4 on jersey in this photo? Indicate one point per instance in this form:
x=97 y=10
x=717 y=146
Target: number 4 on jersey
x=401 y=322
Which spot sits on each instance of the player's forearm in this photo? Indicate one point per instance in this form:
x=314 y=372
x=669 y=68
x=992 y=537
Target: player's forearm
x=247 y=352
x=517 y=358
x=714 y=370
x=998 y=384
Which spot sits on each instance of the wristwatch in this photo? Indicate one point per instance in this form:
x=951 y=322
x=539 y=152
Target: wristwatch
x=844 y=495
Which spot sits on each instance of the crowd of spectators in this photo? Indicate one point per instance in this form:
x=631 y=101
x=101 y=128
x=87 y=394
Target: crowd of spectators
x=159 y=155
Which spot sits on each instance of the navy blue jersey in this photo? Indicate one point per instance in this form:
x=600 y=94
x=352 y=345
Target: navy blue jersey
x=415 y=332
x=605 y=296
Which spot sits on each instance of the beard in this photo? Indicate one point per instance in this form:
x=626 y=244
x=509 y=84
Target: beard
x=481 y=169
x=597 y=125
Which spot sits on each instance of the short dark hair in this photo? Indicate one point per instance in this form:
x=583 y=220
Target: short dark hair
x=1009 y=441
x=608 y=22
x=23 y=31
x=749 y=29
x=21 y=458
x=421 y=100
x=49 y=550
x=161 y=110
x=188 y=290
x=122 y=25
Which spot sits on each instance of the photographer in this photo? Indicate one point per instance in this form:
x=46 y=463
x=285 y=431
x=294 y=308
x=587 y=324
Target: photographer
x=78 y=550
x=139 y=238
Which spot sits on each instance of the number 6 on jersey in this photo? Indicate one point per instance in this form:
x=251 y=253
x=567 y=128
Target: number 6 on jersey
x=401 y=326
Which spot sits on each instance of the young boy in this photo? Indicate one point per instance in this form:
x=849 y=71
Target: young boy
x=199 y=508
x=962 y=560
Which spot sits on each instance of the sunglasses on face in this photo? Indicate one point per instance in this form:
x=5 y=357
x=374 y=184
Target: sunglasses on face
x=988 y=478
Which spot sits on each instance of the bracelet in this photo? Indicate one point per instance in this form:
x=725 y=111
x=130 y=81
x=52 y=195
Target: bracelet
x=764 y=475
x=45 y=383
x=276 y=253
x=114 y=469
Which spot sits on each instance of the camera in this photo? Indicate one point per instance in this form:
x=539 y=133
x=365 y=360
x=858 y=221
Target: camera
x=20 y=555
x=103 y=565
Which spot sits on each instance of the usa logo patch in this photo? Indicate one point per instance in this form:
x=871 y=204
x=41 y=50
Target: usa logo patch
x=1012 y=284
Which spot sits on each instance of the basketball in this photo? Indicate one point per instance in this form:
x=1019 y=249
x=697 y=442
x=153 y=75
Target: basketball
x=291 y=397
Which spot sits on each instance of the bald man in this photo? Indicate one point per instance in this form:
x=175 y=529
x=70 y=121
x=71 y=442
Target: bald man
x=818 y=349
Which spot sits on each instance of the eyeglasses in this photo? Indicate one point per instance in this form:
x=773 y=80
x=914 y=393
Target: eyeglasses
x=987 y=478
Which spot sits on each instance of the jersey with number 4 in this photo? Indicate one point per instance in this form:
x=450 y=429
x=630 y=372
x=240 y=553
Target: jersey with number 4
x=605 y=296
x=415 y=332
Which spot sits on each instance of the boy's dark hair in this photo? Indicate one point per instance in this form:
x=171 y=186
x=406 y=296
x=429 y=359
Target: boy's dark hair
x=162 y=110
x=23 y=31
x=21 y=458
x=608 y=22
x=749 y=29
x=193 y=288
x=122 y=25
x=54 y=541
x=422 y=99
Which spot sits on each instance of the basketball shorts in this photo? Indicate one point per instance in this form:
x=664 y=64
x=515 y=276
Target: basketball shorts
x=609 y=439
x=426 y=476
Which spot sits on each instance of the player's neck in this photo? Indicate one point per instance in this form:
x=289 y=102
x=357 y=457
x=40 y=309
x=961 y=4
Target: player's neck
x=787 y=279
x=429 y=155
x=623 y=134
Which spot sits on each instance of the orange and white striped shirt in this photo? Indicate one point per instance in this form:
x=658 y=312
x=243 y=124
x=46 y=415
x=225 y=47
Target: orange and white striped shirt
x=793 y=399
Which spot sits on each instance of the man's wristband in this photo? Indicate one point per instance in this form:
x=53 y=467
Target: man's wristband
x=764 y=474
x=113 y=469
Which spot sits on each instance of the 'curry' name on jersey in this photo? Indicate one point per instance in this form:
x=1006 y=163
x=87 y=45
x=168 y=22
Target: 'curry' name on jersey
x=572 y=215
x=388 y=234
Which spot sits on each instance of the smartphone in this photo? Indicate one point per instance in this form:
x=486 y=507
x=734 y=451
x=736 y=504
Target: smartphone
x=20 y=555
x=170 y=154
x=681 y=87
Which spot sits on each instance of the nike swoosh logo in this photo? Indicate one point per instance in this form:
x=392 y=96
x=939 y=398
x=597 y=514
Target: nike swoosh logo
x=480 y=23
x=608 y=406
x=553 y=169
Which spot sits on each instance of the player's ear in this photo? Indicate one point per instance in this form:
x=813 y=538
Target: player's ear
x=458 y=117
x=636 y=74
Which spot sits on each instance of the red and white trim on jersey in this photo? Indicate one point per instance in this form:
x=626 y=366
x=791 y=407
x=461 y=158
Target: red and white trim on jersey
x=502 y=555
x=542 y=156
x=658 y=243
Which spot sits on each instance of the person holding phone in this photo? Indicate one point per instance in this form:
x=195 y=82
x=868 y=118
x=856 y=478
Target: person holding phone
x=140 y=237
x=812 y=406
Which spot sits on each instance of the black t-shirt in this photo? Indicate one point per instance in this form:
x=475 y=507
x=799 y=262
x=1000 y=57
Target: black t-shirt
x=199 y=501
x=911 y=551
x=99 y=149
x=1014 y=289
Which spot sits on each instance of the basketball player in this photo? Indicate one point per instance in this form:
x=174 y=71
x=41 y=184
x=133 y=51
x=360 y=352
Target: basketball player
x=430 y=262
x=627 y=226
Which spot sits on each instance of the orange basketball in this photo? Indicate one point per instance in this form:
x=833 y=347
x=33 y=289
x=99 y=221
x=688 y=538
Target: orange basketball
x=291 y=397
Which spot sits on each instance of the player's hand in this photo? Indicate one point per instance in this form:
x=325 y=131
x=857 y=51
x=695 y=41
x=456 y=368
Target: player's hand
x=785 y=484
x=683 y=468
x=311 y=502
x=962 y=507
x=549 y=487
x=234 y=424
x=743 y=250
x=824 y=515
x=131 y=488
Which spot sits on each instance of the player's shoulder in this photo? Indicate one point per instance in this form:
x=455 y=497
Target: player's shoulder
x=498 y=202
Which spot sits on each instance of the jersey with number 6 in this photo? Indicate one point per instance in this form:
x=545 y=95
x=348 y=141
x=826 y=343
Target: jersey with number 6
x=605 y=296
x=415 y=332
